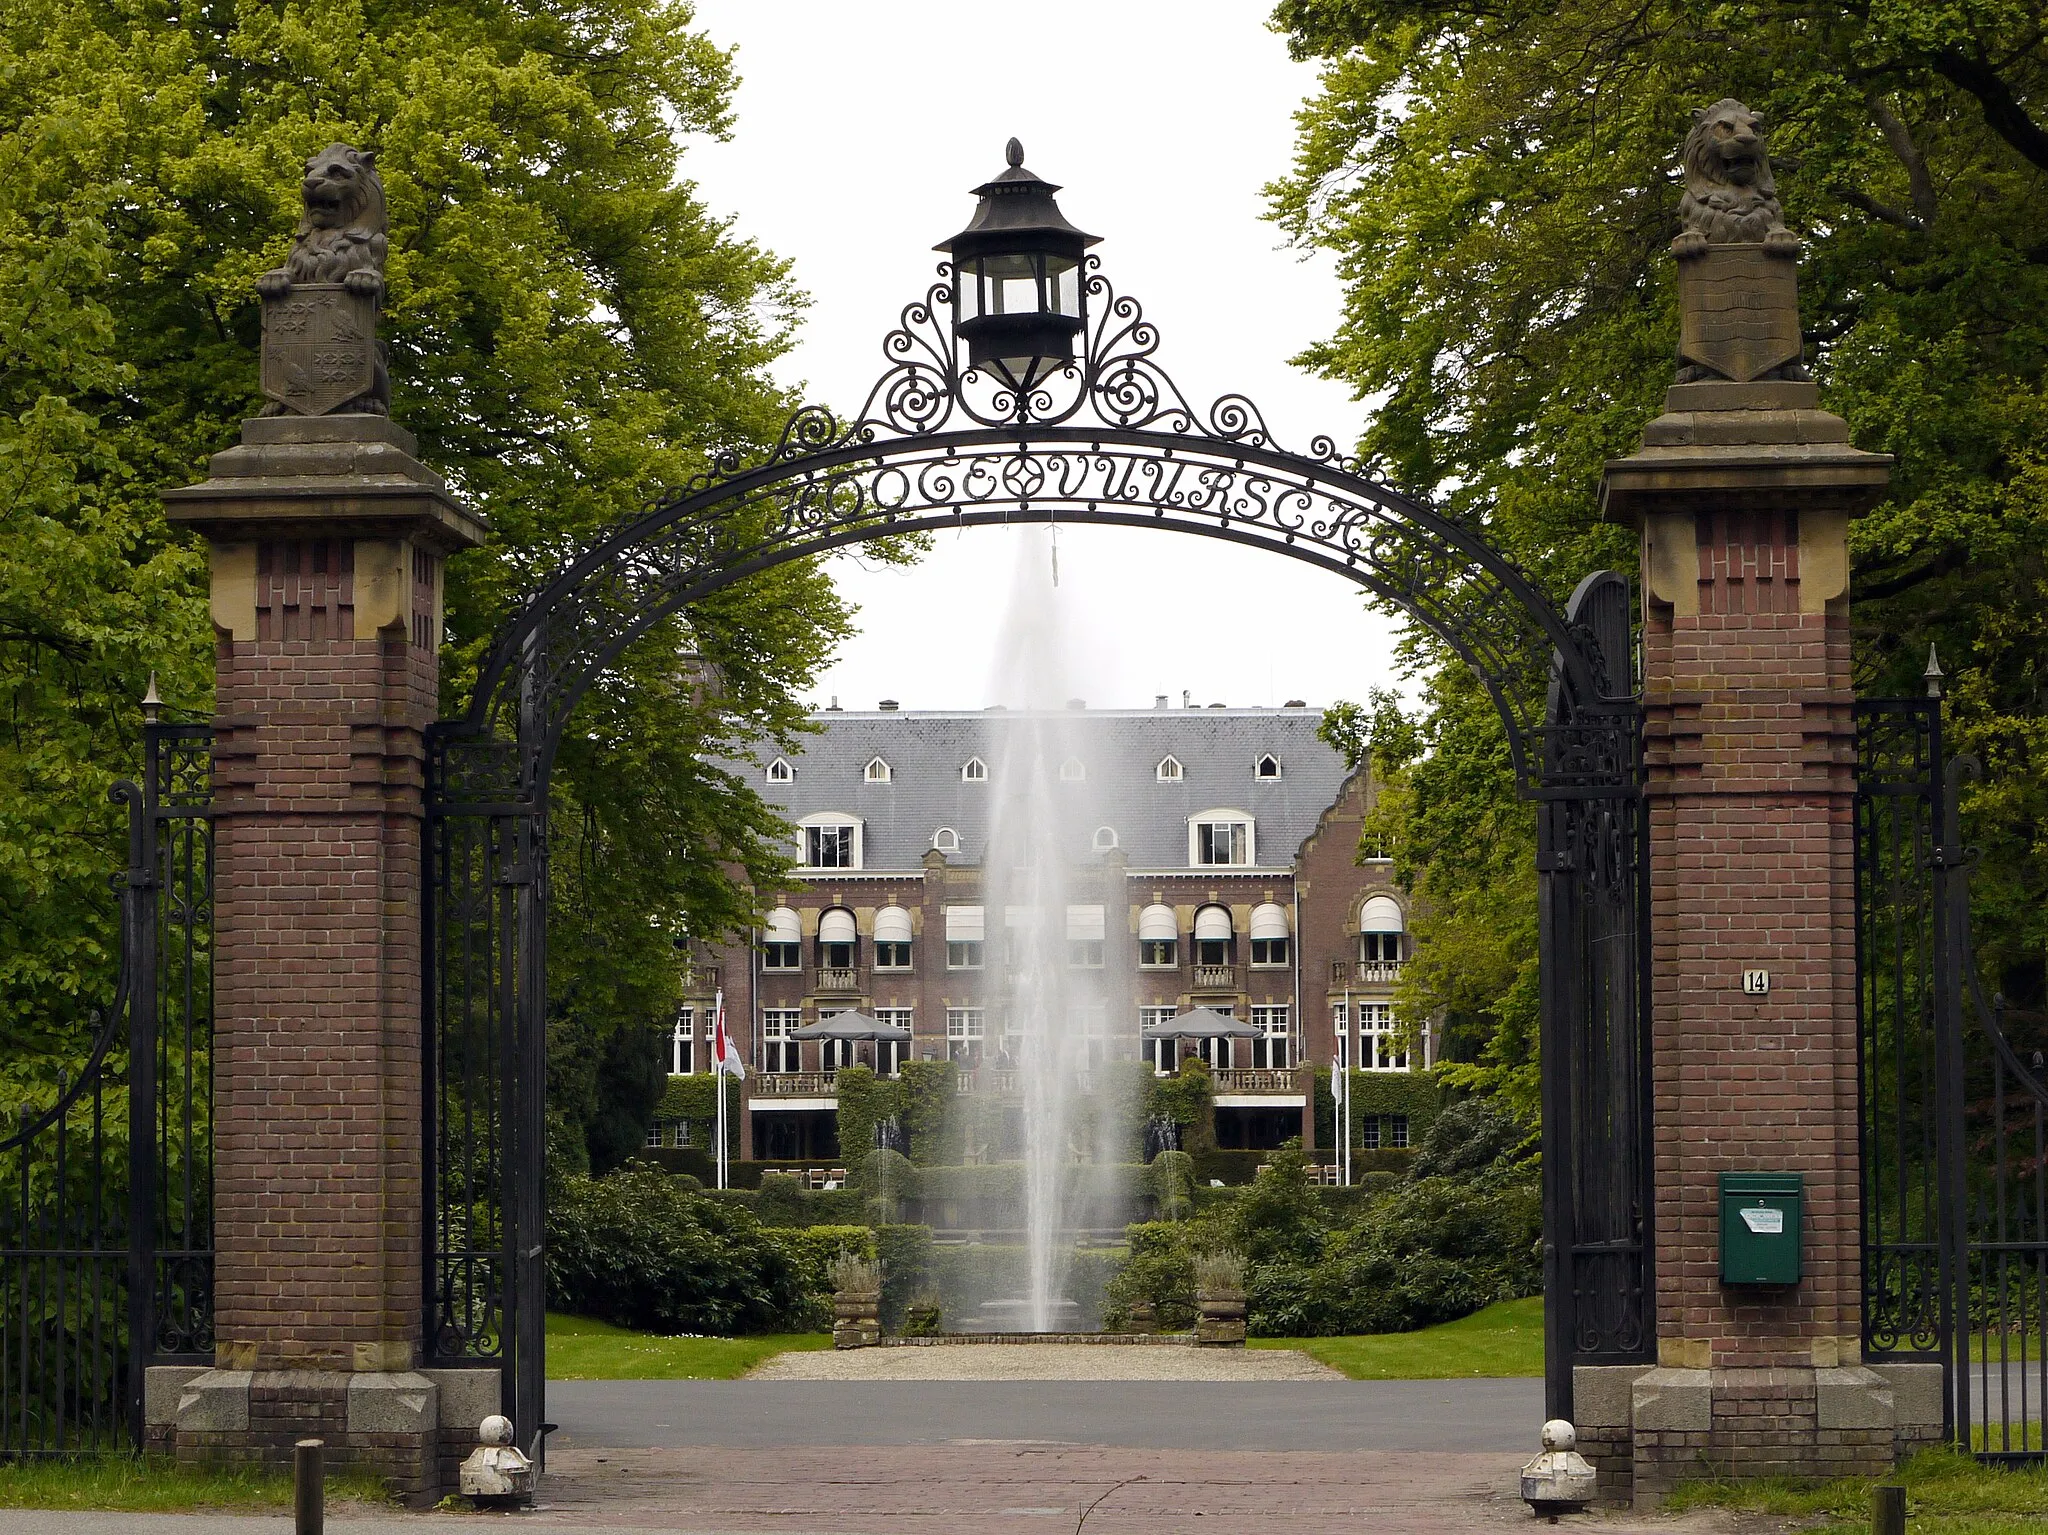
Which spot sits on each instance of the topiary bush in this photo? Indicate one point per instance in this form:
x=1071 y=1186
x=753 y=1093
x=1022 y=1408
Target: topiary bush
x=638 y=1250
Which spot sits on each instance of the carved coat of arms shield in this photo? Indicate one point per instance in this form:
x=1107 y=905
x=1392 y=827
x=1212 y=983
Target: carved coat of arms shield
x=319 y=347
x=1738 y=310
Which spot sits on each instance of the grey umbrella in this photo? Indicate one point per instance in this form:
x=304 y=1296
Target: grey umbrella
x=852 y=1025
x=1200 y=1023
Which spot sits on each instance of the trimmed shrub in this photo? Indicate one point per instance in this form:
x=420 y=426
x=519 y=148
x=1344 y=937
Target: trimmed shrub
x=637 y=1250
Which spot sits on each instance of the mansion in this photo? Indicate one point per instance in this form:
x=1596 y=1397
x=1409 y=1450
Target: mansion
x=1220 y=874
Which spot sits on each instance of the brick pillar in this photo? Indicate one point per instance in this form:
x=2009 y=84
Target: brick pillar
x=327 y=540
x=1743 y=494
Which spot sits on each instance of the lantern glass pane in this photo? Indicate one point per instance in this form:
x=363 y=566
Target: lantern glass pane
x=1012 y=283
x=1063 y=282
x=968 y=284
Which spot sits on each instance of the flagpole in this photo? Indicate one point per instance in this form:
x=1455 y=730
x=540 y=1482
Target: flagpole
x=1350 y=1065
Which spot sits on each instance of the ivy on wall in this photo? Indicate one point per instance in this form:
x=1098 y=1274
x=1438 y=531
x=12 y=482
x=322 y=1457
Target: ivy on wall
x=1375 y=1095
x=928 y=1092
x=693 y=1101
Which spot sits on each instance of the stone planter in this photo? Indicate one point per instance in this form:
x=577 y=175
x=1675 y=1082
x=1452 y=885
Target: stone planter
x=856 y=1318
x=1144 y=1316
x=1219 y=1318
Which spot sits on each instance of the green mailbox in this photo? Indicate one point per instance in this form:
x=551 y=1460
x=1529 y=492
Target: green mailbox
x=1760 y=1220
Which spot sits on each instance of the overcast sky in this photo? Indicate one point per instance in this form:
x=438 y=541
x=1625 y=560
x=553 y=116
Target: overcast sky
x=861 y=128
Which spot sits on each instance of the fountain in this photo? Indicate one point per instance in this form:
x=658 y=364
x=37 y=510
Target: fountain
x=1041 y=829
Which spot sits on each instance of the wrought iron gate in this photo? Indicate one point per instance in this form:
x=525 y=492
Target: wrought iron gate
x=106 y=1192
x=1955 y=1116
x=486 y=1072
x=1592 y=842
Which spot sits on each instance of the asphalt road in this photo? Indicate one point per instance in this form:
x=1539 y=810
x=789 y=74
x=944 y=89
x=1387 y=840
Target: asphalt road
x=1443 y=1415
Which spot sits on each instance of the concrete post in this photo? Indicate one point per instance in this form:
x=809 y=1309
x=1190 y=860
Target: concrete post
x=327 y=539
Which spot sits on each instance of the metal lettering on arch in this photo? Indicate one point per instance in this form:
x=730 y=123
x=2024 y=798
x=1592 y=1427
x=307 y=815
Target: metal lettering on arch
x=1109 y=439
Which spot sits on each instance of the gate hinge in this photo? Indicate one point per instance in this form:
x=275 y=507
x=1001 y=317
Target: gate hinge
x=1555 y=863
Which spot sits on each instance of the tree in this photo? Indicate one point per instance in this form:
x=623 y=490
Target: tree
x=571 y=332
x=1498 y=184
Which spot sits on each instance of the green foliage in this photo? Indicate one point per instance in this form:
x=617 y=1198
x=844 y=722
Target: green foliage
x=1172 y=1184
x=928 y=1098
x=1375 y=1095
x=638 y=1250
x=1497 y=186
x=1188 y=1098
x=571 y=332
x=906 y=1257
x=864 y=1101
x=580 y=1348
x=1160 y=1269
x=694 y=1100
x=1277 y=1219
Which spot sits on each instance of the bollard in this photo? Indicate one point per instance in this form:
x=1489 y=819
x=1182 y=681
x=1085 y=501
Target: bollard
x=1888 y=1511
x=309 y=1493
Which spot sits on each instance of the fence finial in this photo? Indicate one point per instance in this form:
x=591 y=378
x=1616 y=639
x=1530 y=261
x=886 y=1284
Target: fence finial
x=1933 y=672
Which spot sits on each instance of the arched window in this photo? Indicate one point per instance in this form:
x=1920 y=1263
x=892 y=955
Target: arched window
x=1269 y=935
x=1168 y=770
x=779 y=771
x=1105 y=838
x=782 y=941
x=1213 y=934
x=974 y=770
x=892 y=938
x=1268 y=766
x=946 y=840
x=836 y=939
x=1381 y=933
x=877 y=771
x=1158 y=937
x=1072 y=771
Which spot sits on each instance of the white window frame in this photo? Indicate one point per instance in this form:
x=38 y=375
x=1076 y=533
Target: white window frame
x=1376 y=1031
x=966 y=1033
x=780 y=1053
x=1277 y=1022
x=682 y=1059
x=1259 y=767
x=779 y=771
x=1168 y=769
x=1198 y=824
x=1147 y=1016
x=1102 y=833
x=974 y=770
x=877 y=771
x=946 y=840
x=830 y=820
x=1073 y=770
x=894 y=1051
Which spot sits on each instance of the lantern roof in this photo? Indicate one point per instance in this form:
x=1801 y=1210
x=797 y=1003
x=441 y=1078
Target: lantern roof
x=1015 y=206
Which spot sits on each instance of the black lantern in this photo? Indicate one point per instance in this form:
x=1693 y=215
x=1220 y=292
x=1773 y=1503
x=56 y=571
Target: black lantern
x=1017 y=291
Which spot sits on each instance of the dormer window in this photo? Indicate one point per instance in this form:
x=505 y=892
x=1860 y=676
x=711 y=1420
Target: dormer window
x=974 y=770
x=1220 y=837
x=946 y=840
x=1168 y=770
x=877 y=771
x=830 y=841
x=1072 y=771
x=1105 y=838
x=779 y=771
x=1268 y=766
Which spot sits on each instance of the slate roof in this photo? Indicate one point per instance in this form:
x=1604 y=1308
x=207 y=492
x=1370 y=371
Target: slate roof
x=1218 y=750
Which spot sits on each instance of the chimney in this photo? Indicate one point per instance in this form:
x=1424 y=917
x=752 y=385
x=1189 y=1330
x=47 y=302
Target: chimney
x=833 y=707
x=1295 y=703
x=1077 y=703
x=1187 y=699
x=888 y=706
x=1159 y=700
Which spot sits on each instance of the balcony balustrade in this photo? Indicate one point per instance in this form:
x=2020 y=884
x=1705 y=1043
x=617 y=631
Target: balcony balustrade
x=1258 y=1079
x=834 y=979
x=794 y=1084
x=1215 y=978
x=1379 y=972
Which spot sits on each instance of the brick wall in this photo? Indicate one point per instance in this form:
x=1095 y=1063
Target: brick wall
x=1751 y=755
x=318 y=811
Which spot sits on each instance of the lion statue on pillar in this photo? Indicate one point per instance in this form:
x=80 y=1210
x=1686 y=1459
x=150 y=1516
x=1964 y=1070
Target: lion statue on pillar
x=341 y=239
x=1730 y=197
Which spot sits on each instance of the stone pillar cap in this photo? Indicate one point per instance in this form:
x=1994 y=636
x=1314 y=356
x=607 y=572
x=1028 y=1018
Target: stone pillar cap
x=1768 y=443
x=324 y=477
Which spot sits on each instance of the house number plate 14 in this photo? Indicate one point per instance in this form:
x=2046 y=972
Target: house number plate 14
x=1756 y=983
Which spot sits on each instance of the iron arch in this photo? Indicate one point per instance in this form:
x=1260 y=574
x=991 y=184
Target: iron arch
x=1109 y=441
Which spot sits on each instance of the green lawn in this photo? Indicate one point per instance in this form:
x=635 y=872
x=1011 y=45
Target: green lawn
x=580 y=1349
x=1505 y=1339
x=1946 y=1494
x=130 y=1484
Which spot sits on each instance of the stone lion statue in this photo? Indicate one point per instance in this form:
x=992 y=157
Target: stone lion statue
x=1730 y=198
x=341 y=238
